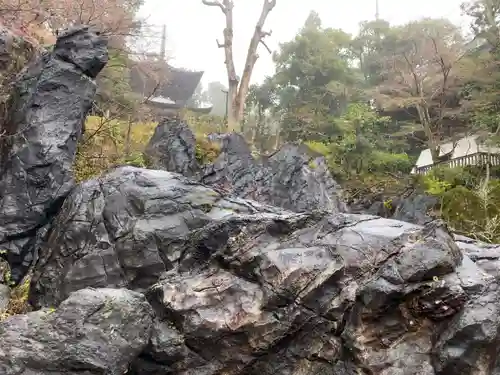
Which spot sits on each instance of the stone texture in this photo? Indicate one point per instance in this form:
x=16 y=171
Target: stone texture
x=486 y=256
x=47 y=109
x=292 y=178
x=127 y=228
x=93 y=332
x=173 y=148
x=242 y=288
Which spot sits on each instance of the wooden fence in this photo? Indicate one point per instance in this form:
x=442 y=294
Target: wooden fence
x=480 y=158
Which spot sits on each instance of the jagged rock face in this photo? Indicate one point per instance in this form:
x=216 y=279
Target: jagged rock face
x=241 y=288
x=172 y=134
x=415 y=209
x=486 y=256
x=291 y=178
x=93 y=332
x=128 y=228
x=48 y=106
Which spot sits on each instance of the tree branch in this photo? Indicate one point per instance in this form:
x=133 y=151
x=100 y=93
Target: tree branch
x=215 y=4
x=266 y=46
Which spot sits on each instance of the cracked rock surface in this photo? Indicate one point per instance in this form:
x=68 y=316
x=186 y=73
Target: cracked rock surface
x=47 y=110
x=241 y=267
x=94 y=331
x=292 y=178
x=243 y=288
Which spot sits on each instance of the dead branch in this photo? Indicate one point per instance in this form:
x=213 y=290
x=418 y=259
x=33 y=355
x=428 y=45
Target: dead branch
x=266 y=46
x=215 y=4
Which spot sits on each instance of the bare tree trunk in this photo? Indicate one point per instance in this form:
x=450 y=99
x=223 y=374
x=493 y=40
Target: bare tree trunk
x=127 y=139
x=423 y=114
x=252 y=55
x=237 y=90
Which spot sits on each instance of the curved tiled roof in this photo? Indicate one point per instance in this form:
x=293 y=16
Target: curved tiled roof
x=175 y=84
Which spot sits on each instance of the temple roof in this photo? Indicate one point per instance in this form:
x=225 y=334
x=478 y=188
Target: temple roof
x=160 y=79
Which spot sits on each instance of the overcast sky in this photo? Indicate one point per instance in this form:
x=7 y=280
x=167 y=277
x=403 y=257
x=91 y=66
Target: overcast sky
x=192 y=28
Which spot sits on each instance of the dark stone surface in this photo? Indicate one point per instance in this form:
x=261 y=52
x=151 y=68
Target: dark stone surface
x=172 y=134
x=415 y=209
x=292 y=178
x=486 y=256
x=48 y=106
x=242 y=288
x=93 y=332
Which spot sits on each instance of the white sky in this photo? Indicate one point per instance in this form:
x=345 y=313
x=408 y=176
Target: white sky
x=193 y=27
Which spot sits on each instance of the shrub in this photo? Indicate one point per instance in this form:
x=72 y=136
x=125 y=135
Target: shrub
x=381 y=161
x=18 y=302
x=110 y=142
x=468 y=204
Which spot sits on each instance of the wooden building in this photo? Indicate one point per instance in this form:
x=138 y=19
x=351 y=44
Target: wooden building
x=464 y=152
x=165 y=88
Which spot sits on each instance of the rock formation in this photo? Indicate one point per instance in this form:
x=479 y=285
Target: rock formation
x=94 y=331
x=169 y=135
x=292 y=178
x=242 y=288
x=244 y=267
x=48 y=106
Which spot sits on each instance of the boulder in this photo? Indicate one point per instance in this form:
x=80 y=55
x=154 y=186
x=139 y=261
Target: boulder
x=127 y=228
x=415 y=208
x=292 y=178
x=93 y=332
x=485 y=255
x=173 y=148
x=242 y=288
x=47 y=110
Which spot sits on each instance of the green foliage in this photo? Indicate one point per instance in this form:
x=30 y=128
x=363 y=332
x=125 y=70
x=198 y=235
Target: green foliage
x=361 y=147
x=115 y=93
x=319 y=147
x=390 y=162
x=206 y=151
x=105 y=143
x=388 y=204
x=434 y=186
x=468 y=202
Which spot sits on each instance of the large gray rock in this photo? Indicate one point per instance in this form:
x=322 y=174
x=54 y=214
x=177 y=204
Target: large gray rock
x=48 y=106
x=486 y=256
x=292 y=178
x=173 y=148
x=242 y=288
x=93 y=332
x=126 y=229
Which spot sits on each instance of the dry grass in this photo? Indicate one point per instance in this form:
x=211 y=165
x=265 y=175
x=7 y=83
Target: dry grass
x=18 y=302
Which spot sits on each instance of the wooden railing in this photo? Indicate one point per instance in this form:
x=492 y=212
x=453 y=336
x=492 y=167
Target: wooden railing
x=481 y=158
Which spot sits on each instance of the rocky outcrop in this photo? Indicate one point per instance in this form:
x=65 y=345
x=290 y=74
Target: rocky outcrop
x=292 y=178
x=47 y=110
x=415 y=208
x=173 y=148
x=93 y=332
x=486 y=256
x=242 y=288
x=129 y=227
x=149 y=272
